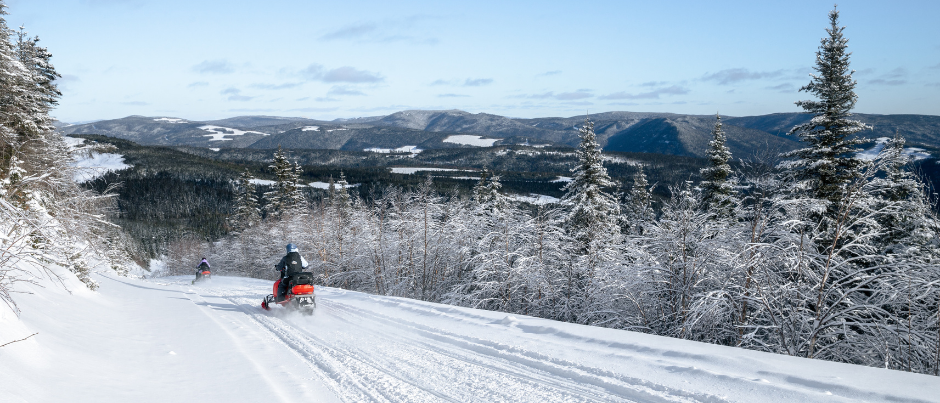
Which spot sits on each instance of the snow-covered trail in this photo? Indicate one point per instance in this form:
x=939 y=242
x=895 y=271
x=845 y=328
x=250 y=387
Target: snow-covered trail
x=363 y=348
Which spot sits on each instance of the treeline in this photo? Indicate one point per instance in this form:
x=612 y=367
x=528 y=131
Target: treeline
x=47 y=220
x=826 y=256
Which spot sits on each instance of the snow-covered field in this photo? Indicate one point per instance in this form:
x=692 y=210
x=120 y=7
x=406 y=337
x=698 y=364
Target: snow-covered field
x=170 y=120
x=411 y=171
x=318 y=185
x=164 y=340
x=535 y=199
x=403 y=149
x=218 y=133
x=310 y=128
x=469 y=140
x=92 y=165
x=872 y=153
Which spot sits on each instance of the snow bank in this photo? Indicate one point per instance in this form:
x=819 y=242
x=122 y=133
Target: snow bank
x=469 y=140
x=219 y=132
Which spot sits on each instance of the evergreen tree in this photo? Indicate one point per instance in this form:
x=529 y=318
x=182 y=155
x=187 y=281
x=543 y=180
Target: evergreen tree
x=247 y=212
x=716 y=186
x=638 y=209
x=592 y=211
x=828 y=164
x=286 y=194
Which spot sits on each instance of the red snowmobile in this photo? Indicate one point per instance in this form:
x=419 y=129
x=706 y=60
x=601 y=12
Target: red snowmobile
x=203 y=275
x=299 y=294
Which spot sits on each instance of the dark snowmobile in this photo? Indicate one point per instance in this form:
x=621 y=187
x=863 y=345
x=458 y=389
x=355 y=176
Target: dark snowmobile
x=203 y=275
x=299 y=294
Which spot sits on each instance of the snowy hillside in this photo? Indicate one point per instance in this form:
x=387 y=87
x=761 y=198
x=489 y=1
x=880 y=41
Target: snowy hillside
x=164 y=340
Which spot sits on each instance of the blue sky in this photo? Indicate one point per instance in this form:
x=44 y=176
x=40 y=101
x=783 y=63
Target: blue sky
x=329 y=59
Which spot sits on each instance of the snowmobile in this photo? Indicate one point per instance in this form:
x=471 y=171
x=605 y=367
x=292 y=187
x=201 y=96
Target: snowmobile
x=299 y=295
x=202 y=275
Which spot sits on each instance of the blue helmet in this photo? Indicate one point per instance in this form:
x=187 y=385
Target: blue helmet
x=291 y=248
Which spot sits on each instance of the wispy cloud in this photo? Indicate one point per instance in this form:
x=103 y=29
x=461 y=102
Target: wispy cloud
x=452 y=96
x=345 y=74
x=344 y=90
x=732 y=76
x=354 y=31
x=477 y=82
x=314 y=109
x=197 y=84
x=442 y=82
x=784 y=88
x=935 y=67
x=894 y=77
x=563 y=96
x=283 y=86
x=326 y=99
x=654 y=94
x=135 y=103
x=549 y=73
x=384 y=31
x=234 y=94
x=220 y=66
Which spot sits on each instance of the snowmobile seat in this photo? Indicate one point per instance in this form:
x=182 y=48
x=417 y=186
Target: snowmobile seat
x=301 y=279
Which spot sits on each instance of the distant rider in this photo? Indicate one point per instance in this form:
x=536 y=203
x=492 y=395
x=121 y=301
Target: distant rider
x=203 y=266
x=291 y=264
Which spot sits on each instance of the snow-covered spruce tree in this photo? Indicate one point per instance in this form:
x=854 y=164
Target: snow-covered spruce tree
x=286 y=194
x=638 y=208
x=828 y=165
x=592 y=211
x=716 y=182
x=247 y=213
x=592 y=224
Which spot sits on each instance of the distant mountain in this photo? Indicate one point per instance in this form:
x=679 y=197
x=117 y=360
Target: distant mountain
x=648 y=132
x=169 y=131
x=258 y=121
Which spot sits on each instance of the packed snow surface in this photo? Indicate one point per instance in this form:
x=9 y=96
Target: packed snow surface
x=469 y=140
x=410 y=171
x=219 y=132
x=165 y=340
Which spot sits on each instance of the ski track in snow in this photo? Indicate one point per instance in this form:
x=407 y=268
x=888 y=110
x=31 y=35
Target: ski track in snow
x=372 y=357
x=379 y=349
x=138 y=340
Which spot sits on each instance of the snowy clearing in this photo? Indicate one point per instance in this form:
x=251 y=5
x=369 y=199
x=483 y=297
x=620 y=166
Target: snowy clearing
x=214 y=149
x=912 y=152
x=535 y=199
x=171 y=120
x=562 y=179
x=402 y=149
x=469 y=140
x=164 y=339
x=91 y=167
x=219 y=132
x=411 y=171
x=325 y=185
x=262 y=182
x=310 y=128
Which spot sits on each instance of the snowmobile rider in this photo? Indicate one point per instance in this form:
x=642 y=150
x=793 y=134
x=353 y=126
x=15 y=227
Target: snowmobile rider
x=292 y=263
x=203 y=266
